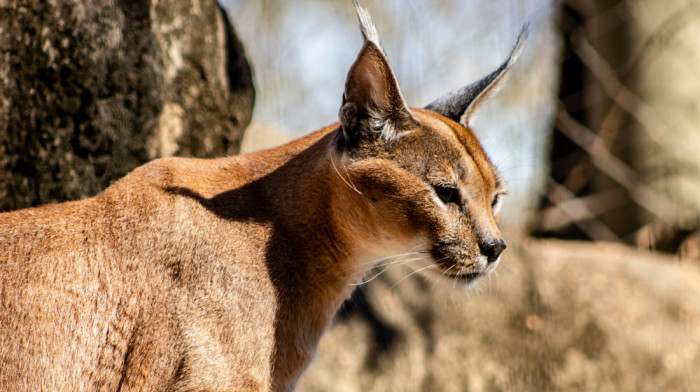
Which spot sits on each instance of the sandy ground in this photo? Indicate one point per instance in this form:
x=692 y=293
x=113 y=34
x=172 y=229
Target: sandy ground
x=557 y=316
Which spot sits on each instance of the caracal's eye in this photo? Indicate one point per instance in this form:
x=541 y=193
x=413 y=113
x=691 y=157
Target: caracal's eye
x=447 y=194
x=496 y=204
x=496 y=200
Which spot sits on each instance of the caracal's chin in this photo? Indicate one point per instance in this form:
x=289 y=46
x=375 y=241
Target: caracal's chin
x=413 y=256
x=458 y=276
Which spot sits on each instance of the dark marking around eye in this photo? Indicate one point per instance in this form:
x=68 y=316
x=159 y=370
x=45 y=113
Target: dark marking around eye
x=497 y=199
x=447 y=194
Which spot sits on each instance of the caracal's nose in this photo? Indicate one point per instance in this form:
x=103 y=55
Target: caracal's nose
x=492 y=250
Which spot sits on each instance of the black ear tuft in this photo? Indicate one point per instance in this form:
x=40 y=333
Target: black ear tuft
x=460 y=105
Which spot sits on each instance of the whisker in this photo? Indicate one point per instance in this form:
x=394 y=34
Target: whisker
x=436 y=281
x=341 y=176
x=495 y=274
x=478 y=288
x=391 y=265
x=350 y=178
x=414 y=272
x=412 y=249
x=399 y=262
x=454 y=279
x=445 y=272
x=507 y=268
x=377 y=261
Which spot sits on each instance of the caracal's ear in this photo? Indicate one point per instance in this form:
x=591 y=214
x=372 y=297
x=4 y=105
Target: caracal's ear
x=460 y=105
x=373 y=108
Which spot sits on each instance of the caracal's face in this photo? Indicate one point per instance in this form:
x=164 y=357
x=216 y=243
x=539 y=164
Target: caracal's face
x=434 y=182
x=428 y=184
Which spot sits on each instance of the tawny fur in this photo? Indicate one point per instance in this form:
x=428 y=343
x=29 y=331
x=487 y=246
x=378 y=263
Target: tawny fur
x=193 y=275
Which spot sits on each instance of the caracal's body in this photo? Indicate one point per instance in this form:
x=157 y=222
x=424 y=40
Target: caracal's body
x=222 y=274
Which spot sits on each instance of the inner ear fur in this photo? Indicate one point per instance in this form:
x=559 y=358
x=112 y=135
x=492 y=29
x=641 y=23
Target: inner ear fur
x=460 y=105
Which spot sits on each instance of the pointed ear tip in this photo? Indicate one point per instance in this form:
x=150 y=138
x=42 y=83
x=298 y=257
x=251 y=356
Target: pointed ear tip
x=524 y=34
x=525 y=30
x=519 y=43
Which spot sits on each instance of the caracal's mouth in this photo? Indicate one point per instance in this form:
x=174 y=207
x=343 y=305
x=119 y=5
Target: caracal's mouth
x=467 y=275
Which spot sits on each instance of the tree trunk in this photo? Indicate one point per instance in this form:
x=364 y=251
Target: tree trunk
x=91 y=89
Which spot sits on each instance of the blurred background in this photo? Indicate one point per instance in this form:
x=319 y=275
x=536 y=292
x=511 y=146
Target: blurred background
x=595 y=131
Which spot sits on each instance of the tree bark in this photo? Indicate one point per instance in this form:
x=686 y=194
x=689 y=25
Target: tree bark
x=91 y=89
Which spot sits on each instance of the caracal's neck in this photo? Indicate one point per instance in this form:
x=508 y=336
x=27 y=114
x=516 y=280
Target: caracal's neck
x=325 y=237
x=309 y=249
x=311 y=200
x=311 y=188
x=326 y=233
x=307 y=199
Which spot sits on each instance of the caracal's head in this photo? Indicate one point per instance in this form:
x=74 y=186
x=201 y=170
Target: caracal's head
x=424 y=177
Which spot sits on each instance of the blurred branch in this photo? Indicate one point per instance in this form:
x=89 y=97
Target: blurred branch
x=668 y=29
x=613 y=167
x=671 y=26
x=569 y=209
x=621 y=95
x=578 y=213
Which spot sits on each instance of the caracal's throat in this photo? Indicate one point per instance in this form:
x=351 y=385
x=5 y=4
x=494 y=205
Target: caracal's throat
x=385 y=254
